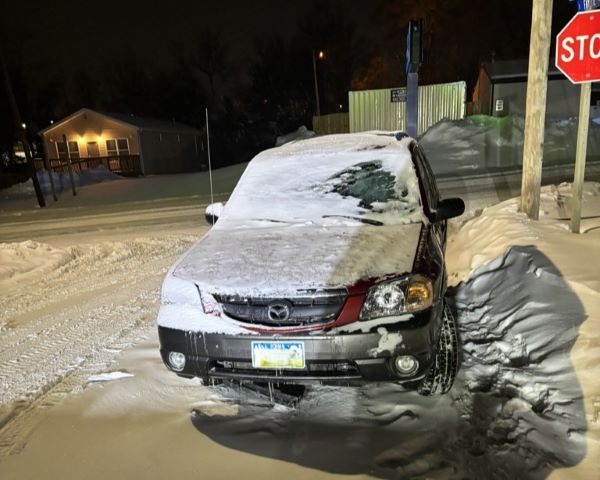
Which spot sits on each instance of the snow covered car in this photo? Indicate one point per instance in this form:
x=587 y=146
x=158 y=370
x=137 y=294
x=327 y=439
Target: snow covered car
x=325 y=265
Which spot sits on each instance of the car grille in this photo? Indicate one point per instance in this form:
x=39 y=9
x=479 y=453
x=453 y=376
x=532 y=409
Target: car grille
x=306 y=308
x=331 y=370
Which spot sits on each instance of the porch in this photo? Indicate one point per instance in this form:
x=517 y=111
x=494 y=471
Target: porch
x=126 y=165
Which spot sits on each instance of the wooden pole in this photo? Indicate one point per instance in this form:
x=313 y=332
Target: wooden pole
x=49 y=169
x=69 y=166
x=535 y=111
x=582 y=137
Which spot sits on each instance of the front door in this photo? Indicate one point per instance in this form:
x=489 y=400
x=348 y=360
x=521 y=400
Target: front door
x=93 y=150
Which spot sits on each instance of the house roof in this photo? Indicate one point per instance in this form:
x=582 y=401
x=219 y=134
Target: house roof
x=142 y=123
x=513 y=70
x=146 y=123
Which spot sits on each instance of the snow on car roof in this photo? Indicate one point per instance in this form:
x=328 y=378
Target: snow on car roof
x=333 y=179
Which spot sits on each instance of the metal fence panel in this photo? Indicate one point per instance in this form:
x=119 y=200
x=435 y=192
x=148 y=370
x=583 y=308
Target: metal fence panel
x=375 y=110
x=332 y=123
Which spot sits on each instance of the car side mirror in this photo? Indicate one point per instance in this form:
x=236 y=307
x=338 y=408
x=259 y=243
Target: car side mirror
x=213 y=212
x=449 y=208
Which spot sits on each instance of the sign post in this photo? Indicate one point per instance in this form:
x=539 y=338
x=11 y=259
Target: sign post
x=578 y=57
x=414 y=59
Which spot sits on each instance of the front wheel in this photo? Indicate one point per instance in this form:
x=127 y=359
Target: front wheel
x=441 y=375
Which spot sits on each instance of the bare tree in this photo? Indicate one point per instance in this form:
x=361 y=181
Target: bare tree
x=209 y=59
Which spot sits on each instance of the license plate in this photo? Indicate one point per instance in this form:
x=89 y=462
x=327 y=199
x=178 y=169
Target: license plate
x=278 y=354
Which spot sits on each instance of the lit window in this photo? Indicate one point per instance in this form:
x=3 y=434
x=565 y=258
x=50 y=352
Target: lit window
x=61 y=149
x=123 y=146
x=111 y=148
x=116 y=147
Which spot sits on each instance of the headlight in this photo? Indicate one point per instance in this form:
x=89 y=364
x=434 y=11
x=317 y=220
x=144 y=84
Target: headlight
x=405 y=295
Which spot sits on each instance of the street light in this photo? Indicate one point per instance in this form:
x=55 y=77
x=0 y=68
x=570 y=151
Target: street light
x=23 y=125
x=321 y=55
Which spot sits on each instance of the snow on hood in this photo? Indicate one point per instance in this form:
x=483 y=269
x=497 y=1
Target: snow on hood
x=271 y=261
x=318 y=213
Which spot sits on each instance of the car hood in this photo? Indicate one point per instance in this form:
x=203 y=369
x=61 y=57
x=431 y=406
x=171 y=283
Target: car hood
x=277 y=261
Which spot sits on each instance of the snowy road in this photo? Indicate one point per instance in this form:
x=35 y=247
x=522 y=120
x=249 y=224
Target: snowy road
x=81 y=299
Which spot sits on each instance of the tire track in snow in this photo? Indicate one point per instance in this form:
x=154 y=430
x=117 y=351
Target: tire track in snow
x=94 y=310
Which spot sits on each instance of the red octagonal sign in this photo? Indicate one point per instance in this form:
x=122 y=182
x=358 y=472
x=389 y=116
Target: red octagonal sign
x=578 y=48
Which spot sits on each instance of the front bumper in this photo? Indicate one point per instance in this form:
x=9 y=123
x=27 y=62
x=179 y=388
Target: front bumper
x=341 y=358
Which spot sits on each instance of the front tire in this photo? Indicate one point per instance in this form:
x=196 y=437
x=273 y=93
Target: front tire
x=441 y=375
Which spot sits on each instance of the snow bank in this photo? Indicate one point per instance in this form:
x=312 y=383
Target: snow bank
x=62 y=181
x=299 y=134
x=480 y=142
x=488 y=235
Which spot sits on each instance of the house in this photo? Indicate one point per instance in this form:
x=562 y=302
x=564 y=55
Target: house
x=125 y=144
x=501 y=90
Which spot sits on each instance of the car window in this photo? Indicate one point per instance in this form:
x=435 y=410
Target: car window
x=367 y=182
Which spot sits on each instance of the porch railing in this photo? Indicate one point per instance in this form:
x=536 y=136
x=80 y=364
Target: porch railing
x=127 y=165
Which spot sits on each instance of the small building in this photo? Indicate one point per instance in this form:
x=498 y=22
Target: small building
x=501 y=90
x=124 y=144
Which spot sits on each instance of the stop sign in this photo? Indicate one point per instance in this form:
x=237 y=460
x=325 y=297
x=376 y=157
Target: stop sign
x=578 y=48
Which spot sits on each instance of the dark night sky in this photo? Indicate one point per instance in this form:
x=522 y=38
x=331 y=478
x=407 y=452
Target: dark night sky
x=147 y=57
x=61 y=35
x=57 y=34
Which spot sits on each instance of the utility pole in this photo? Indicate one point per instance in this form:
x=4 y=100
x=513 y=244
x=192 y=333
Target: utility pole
x=20 y=127
x=210 y=179
x=535 y=111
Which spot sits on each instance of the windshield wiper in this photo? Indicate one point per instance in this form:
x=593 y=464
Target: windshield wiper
x=368 y=221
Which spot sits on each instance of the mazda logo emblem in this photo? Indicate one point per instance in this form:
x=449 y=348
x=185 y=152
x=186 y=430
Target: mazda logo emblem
x=279 y=311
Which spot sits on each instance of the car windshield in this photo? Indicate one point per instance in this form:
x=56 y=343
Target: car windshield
x=339 y=179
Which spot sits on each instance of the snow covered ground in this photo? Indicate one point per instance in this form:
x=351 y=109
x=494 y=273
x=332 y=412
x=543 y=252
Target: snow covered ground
x=84 y=393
